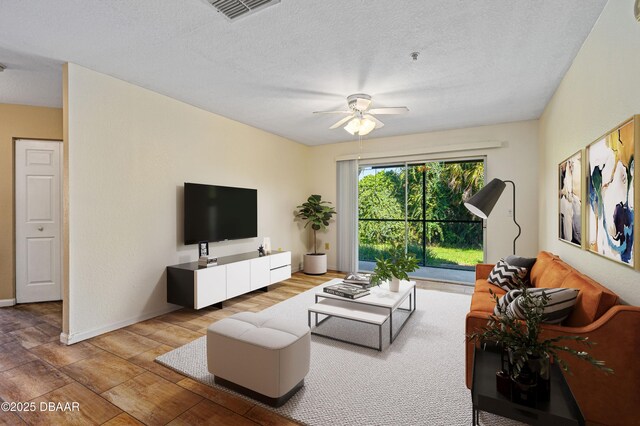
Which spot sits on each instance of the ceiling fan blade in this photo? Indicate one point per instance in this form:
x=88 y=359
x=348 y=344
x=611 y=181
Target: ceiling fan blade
x=390 y=110
x=333 y=112
x=341 y=122
x=375 y=120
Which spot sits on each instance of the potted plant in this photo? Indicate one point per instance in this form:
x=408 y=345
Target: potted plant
x=528 y=355
x=316 y=213
x=394 y=268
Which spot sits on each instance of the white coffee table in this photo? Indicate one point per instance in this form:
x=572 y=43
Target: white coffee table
x=375 y=308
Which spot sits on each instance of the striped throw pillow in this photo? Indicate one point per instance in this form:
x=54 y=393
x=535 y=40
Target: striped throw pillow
x=557 y=309
x=506 y=276
x=505 y=300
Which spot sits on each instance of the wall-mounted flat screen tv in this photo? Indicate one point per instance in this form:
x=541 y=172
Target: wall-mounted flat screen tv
x=218 y=213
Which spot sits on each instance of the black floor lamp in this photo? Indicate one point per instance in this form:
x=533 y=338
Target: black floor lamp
x=483 y=201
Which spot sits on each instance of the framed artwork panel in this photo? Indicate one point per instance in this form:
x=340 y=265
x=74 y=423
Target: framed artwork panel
x=570 y=196
x=612 y=192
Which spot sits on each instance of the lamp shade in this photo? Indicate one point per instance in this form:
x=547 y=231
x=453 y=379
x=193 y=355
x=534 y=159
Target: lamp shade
x=483 y=201
x=366 y=126
x=353 y=126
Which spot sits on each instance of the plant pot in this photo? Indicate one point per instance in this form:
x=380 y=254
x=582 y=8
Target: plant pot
x=315 y=263
x=394 y=284
x=532 y=386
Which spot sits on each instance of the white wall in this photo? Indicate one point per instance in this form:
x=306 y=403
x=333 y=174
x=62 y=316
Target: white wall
x=516 y=161
x=130 y=150
x=600 y=90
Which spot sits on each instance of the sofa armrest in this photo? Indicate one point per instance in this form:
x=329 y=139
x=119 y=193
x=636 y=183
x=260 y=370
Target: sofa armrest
x=474 y=322
x=612 y=398
x=603 y=398
x=483 y=270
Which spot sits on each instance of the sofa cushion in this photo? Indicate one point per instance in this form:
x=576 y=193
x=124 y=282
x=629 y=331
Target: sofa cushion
x=482 y=302
x=593 y=300
x=524 y=262
x=506 y=276
x=543 y=260
x=554 y=274
x=558 y=307
x=484 y=286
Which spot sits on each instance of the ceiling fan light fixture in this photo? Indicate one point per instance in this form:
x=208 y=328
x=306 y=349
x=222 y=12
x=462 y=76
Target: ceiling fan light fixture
x=360 y=126
x=361 y=120
x=366 y=126
x=353 y=126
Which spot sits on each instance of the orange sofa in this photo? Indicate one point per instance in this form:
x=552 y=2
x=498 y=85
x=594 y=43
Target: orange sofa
x=604 y=399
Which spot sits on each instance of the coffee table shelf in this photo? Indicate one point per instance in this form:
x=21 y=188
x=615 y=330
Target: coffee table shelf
x=375 y=308
x=346 y=310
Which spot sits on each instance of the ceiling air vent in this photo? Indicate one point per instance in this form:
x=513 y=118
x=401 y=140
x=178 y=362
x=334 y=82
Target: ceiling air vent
x=234 y=9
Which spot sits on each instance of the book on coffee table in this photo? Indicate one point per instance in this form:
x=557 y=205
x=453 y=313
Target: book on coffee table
x=350 y=291
x=360 y=279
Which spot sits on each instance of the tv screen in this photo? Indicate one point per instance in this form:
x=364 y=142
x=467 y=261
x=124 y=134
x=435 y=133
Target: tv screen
x=218 y=213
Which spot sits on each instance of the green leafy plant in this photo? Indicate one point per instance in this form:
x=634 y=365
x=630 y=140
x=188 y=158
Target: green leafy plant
x=522 y=337
x=397 y=264
x=316 y=213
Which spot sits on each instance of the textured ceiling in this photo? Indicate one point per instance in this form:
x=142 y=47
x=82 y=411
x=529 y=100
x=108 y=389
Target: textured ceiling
x=481 y=62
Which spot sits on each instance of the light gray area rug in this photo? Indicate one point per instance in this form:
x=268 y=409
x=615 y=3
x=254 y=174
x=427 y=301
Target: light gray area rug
x=417 y=380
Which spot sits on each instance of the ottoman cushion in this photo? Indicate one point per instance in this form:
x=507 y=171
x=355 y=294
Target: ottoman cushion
x=259 y=352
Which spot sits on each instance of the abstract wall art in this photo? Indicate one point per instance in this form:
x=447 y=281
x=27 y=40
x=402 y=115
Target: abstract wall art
x=611 y=222
x=570 y=199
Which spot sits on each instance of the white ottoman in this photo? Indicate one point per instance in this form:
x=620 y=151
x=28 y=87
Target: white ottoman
x=260 y=356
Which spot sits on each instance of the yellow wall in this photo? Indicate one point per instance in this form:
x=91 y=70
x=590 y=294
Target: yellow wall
x=516 y=160
x=18 y=121
x=598 y=92
x=130 y=151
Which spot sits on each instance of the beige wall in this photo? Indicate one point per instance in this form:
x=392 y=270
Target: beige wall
x=18 y=121
x=516 y=161
x=130 y=151
x=600 y=90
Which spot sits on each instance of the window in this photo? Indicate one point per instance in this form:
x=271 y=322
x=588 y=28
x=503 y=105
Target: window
x=420 y=206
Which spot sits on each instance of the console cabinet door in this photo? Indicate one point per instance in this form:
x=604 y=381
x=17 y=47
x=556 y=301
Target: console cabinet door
x=238 y=278
x=260 y=273
x=280 y=274
x=280 y=267
x=279 y=260
x=210 y=286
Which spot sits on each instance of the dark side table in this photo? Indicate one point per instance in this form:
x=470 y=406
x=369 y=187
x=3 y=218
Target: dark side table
x=561 y=409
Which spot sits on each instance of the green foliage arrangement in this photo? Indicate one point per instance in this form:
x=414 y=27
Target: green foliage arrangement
x=398 y=264
x=434 y=192
x=522 y=337
x=316 y=213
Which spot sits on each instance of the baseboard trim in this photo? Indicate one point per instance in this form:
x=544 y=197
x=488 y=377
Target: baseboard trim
x=71 y=338
x=7 y=302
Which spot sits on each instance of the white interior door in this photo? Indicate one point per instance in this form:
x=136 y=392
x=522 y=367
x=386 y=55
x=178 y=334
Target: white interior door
x=38 y=220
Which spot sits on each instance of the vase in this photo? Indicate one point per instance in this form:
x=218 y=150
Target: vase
x=315 y=264
x=394 y=284
x=532 y=385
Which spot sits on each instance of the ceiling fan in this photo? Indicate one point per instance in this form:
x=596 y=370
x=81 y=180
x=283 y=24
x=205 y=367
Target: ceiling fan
x=361 y=120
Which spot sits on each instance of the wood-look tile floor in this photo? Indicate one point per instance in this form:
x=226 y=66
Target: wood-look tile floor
x=113 y=377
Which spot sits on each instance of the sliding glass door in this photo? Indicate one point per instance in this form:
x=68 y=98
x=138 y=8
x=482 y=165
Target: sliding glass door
x=382 y=220
x=420 y=206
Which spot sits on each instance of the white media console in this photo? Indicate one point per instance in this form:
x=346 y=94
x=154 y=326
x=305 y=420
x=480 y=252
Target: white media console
x=196 y=286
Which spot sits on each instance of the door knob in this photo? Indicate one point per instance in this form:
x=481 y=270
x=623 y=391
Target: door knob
x=40 y=228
